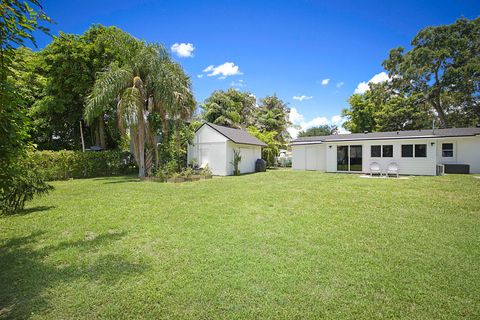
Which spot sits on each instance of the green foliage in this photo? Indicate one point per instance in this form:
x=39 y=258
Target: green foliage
x=206 y=171
x=378 y=110
x=19 y=181
x=237 y=158
x=272 y=115
x=187 y=172
x=65 y=164
x=149 y=82
x=323 y=130
x=271 y=151
x=19 y=20
x=23 y=182
x=443 y=67
x=438 y=79
x=68 y=67
x=230 y=108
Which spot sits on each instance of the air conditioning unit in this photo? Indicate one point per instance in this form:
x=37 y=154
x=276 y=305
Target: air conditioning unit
x=440 y=169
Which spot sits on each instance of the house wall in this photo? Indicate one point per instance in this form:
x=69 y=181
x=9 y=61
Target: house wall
x=209 y=147
x=414 y=166
x=466 y=150
x=249 y=154
x=309 y=157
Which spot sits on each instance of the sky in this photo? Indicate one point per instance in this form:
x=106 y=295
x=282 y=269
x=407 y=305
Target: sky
x=312 y=54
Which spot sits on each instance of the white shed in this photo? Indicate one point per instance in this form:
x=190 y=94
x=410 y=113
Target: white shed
x=214 y=145
x=415 y=152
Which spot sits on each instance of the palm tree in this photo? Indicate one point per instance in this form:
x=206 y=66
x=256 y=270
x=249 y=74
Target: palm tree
x=149 y=84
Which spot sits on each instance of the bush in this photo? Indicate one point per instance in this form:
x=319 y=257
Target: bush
x=62 y=165
x=20 y=185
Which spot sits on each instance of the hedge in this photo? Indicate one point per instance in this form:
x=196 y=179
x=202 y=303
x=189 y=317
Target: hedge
x=62 y=165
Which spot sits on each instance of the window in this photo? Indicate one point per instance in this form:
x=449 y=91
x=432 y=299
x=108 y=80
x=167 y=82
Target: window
x=376 y=151
x=407 y=150
x=447 y=150
x=387 y=151
x=420 y=151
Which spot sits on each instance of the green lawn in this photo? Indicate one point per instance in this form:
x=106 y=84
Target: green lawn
x=280 y=244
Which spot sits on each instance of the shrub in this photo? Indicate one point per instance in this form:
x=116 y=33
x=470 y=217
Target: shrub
x=62 y=165
x=237 y=158
x=22 y=183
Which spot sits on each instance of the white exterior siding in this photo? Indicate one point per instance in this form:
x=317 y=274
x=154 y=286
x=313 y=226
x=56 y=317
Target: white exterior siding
x=212 y=148
x=308 y=157
x=321 y=153
x=249 y=154
x=209 y=146
x=466 y=150
x=414 y=166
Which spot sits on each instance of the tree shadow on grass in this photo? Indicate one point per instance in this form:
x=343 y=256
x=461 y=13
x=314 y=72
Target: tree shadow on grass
x=33 y=210
x=25 y=274
x=121 y=179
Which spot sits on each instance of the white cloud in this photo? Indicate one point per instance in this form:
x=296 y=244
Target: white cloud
x=224 y=70
x=340 y=84
x=378 y=78
x=301 y=98
x=299 y=120
x=295 y=117
x=325 y=82
x=240 y=83
x=183 y=50
x=199 y=76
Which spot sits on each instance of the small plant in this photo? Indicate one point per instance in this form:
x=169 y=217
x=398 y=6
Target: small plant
x=237 y=158
x=194 y=163
x=188 y=172
x=206 y=171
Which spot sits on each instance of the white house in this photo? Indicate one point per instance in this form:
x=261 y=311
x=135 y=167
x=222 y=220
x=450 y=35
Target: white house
x=416 y=152
x=214 y=145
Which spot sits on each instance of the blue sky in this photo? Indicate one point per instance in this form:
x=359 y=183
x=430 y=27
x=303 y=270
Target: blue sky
x=289 y=48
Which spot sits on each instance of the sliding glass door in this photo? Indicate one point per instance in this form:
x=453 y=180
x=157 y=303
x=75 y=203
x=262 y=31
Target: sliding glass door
x=355 y=158
x=342 y=158
x=349 y=158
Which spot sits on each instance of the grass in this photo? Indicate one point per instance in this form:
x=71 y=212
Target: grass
x=282 y=244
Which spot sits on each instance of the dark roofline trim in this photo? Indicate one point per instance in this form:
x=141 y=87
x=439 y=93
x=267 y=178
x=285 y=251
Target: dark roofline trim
x=381 y=138
x=250 y=144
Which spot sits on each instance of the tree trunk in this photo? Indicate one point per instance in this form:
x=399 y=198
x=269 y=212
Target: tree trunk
x=101 y=133
x=141 y=153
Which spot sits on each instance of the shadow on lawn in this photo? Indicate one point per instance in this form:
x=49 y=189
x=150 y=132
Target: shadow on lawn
x=25 y=274
x=121 y=179
x=33 y=210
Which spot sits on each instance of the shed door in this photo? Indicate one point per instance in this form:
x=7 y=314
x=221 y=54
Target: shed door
x=203 y=158
x=310 y=158
x=248 y=162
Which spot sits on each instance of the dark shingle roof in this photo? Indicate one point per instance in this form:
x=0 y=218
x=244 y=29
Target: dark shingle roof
x=236 y=135
x=411 y=134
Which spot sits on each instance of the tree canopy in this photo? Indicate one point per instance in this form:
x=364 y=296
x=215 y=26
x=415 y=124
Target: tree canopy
x=324 y=130
x=437 y=79
x=230 y=108
x=147 y=88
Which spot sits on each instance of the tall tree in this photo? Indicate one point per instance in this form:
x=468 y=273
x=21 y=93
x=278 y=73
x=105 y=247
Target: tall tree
x=273 y=115
x=68 y=67
x=230 y=108
x=18 y=181
x=383 y=109
x=146 y=86
x=324 y=130
x=444 y=67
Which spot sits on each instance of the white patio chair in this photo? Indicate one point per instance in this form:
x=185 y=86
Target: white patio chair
x=375 y=169
x=392 y=168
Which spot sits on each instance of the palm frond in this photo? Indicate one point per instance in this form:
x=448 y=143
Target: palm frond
x=106 y=89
